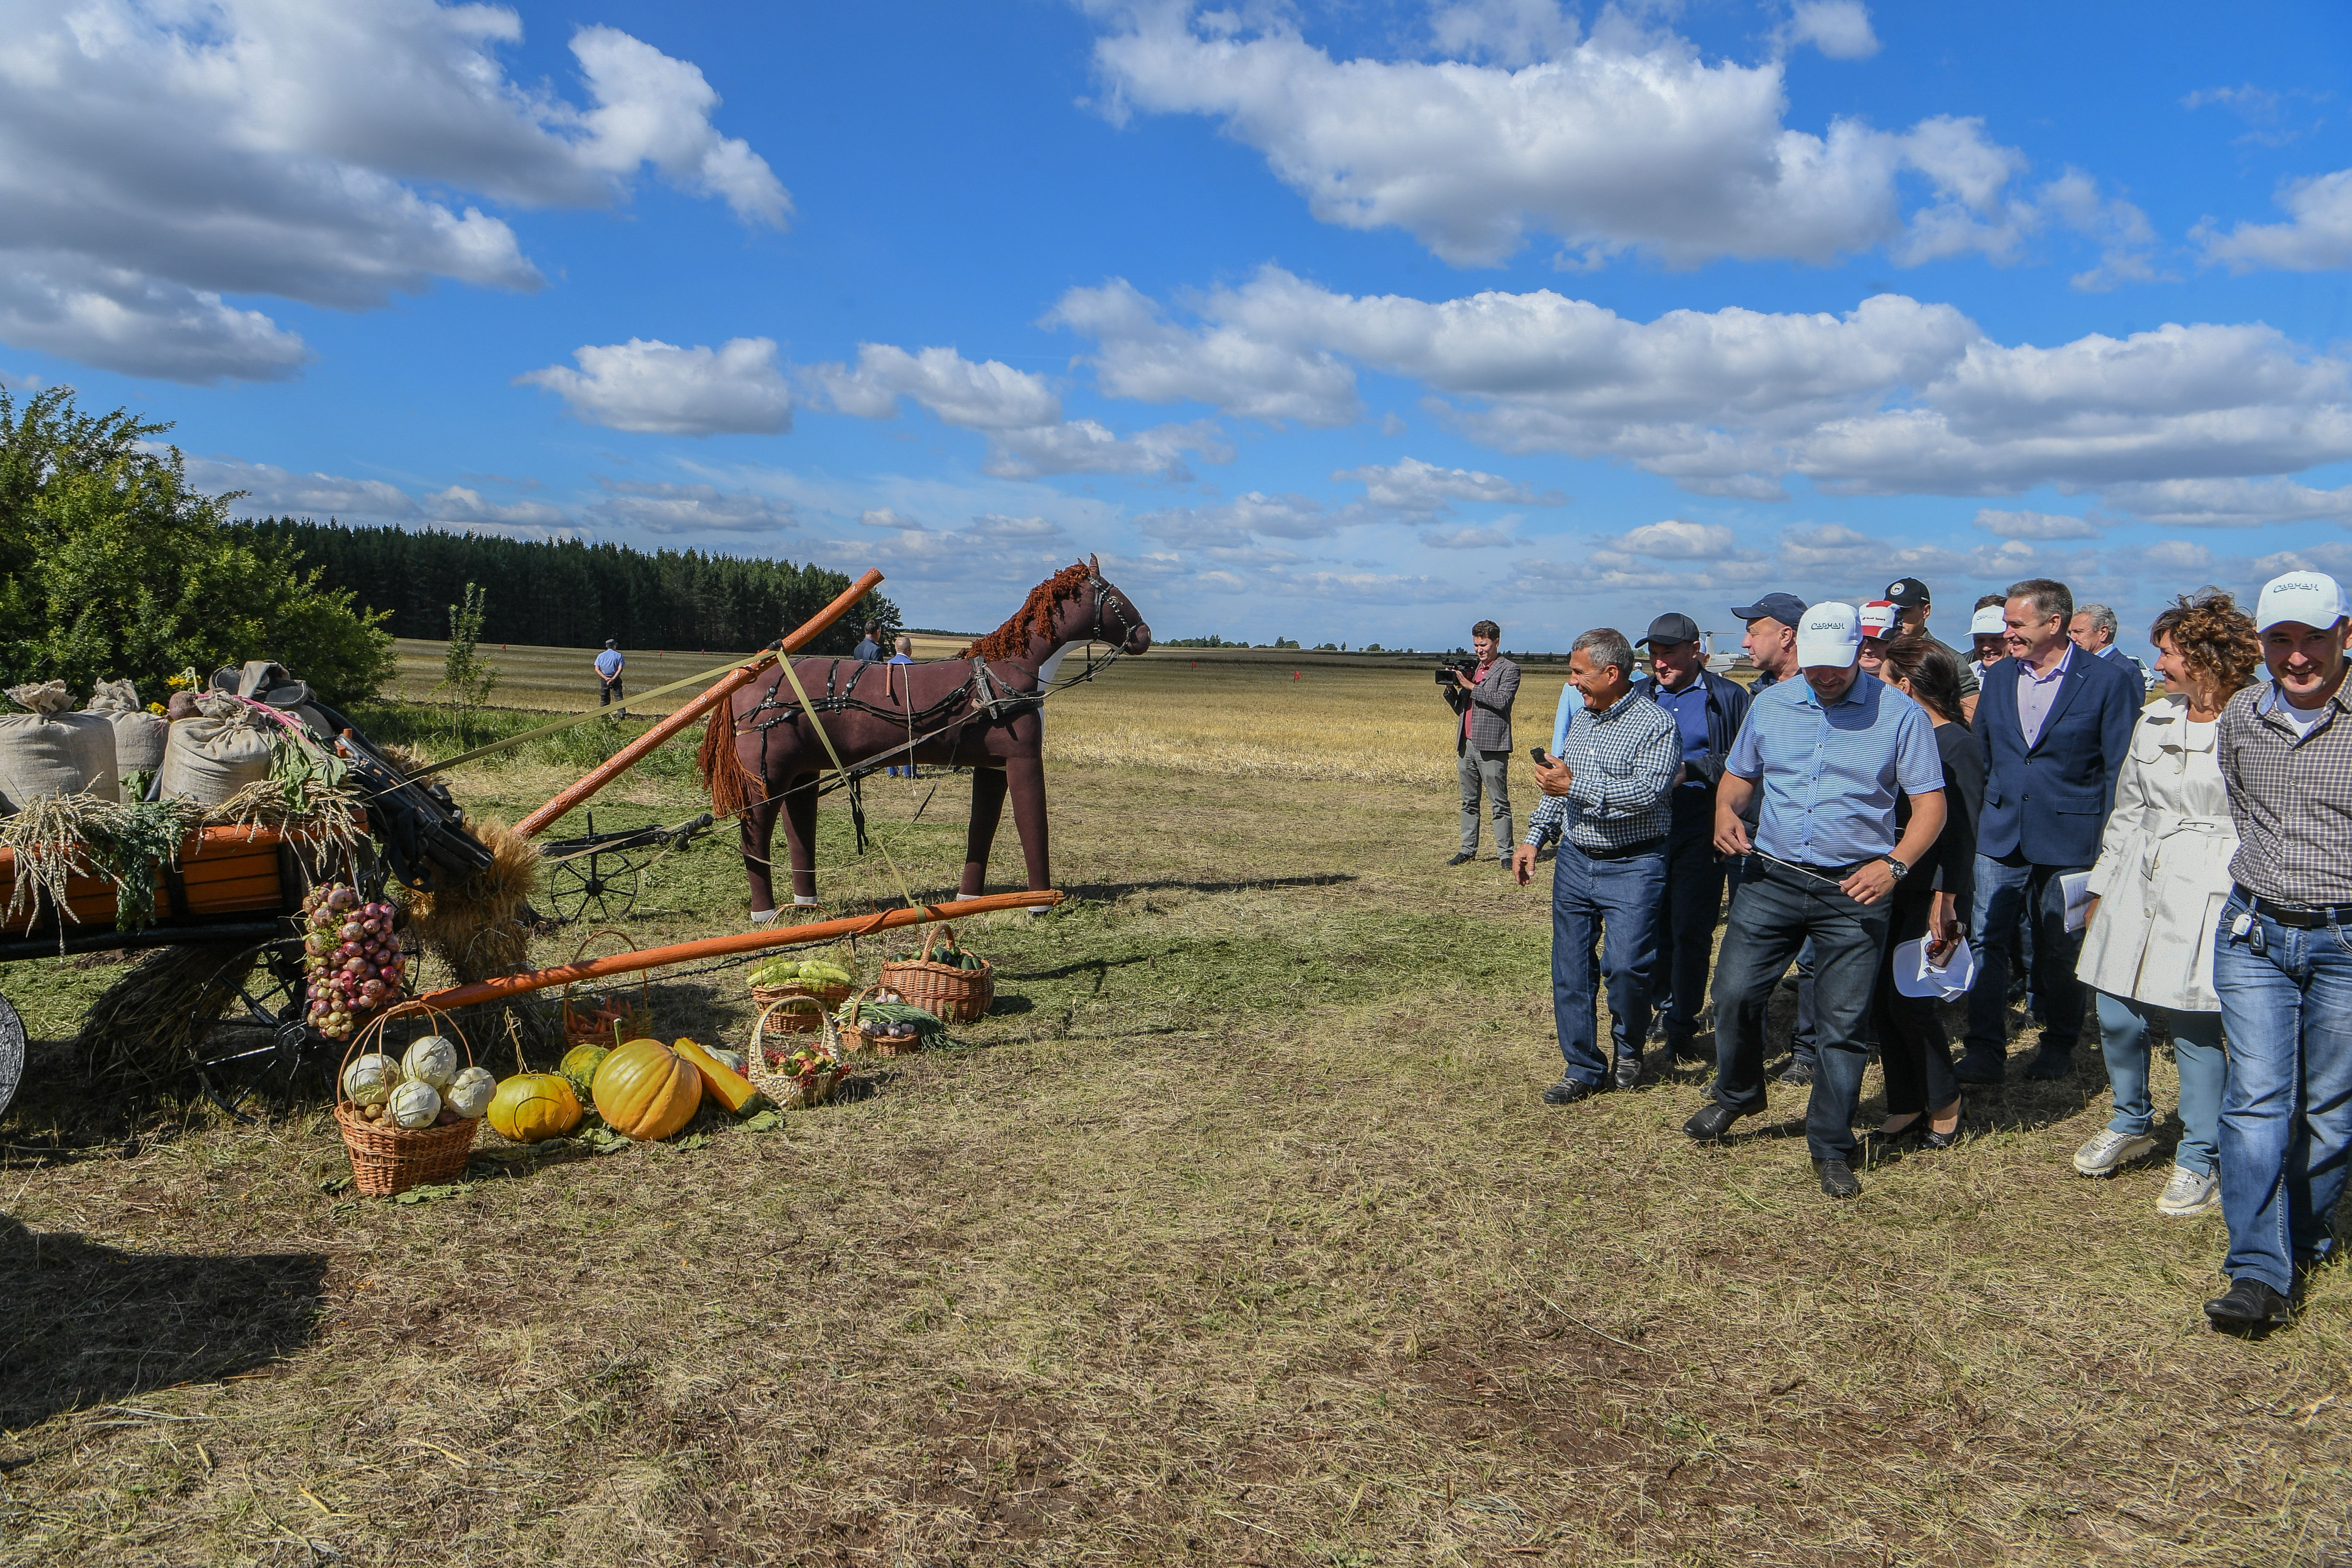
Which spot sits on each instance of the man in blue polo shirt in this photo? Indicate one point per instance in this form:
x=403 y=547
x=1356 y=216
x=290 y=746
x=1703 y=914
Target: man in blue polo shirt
x=1830 y=752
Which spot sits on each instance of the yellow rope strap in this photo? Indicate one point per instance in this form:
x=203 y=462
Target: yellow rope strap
x=841 y=771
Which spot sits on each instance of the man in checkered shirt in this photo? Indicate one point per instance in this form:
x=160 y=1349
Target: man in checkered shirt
x=2283 y=951
x=1606 y=795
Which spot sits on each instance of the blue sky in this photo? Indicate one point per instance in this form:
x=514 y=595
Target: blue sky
x=1347 y=321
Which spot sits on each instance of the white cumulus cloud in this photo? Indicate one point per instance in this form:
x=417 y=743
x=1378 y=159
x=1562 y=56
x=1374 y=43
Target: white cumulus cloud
x=688 y=508
x=1627 y=139
x=2230 y=503
x=649 y=385
x=1839 y=29
x=2035 y=525
x=2317 y=236
x=1414 y=486
x=1675 y=539
x=155 y=158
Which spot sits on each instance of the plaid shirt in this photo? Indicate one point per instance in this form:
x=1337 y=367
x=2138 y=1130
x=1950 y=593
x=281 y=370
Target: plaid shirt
x=1626 y=759
x=2292 y=802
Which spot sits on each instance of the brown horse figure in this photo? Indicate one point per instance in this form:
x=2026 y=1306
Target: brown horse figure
x=979 y=710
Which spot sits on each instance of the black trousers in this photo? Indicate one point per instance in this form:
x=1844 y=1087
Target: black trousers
x=611 y=694
x=1913 y=1048
x=1688 y=913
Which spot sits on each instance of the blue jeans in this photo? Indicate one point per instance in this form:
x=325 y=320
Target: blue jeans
x=2286 y=1108
x=2196 y=1050
x=1778 y=912
x=2004 y=892
x=1616 y=901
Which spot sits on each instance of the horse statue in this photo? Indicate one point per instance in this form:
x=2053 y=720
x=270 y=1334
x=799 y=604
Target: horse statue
x=981 y=710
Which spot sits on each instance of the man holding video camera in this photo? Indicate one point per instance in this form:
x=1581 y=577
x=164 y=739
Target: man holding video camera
x=1482 y=693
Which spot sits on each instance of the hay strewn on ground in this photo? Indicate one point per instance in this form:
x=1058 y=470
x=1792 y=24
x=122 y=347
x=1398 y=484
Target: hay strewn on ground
x=1236 y=1235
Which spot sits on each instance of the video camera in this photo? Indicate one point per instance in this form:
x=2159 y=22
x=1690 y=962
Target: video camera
x=1444 y=673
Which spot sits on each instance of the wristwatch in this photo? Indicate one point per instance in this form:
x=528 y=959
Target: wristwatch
x=1901 y=870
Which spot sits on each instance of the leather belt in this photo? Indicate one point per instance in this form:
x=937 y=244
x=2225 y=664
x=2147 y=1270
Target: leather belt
x=1623 y=852
x=2302 y=917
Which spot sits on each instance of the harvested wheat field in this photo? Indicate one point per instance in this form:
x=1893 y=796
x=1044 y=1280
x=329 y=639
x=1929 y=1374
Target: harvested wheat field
x=1235 y=1235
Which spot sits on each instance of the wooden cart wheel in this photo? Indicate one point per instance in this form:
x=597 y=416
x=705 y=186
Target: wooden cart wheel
x=598 y=885
x=261 y=1046
x=12 y=1052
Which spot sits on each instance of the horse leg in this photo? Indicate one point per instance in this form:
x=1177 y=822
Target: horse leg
x=1026 y=777
x=800 y=832
x=987 y=809
x=757 y=831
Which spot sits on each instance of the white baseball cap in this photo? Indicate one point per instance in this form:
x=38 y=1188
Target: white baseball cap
x=2312 y=599
x=1877 y=617
x=1989 y=622
x=1830 y=634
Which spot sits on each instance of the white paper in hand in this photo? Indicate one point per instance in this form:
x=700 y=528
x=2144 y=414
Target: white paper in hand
x=2077 y=888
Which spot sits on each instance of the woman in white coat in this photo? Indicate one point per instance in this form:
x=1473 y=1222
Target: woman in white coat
x=2162 y=876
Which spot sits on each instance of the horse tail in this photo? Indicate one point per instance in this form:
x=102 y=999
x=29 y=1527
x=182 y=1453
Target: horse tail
x=733 y=790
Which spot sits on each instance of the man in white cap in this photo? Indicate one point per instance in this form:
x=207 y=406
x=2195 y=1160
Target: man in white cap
x=1988 y=634
x=2283 y=951
x=1830 y=752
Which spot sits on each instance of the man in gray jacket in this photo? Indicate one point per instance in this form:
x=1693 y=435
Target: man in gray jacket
x=1482 y=741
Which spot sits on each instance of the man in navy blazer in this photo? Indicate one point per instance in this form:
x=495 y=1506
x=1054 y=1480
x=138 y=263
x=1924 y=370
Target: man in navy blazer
x=2055 y=724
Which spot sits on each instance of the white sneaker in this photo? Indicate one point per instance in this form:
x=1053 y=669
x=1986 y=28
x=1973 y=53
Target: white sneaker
x=2189 y=1192
x=2109 y=1150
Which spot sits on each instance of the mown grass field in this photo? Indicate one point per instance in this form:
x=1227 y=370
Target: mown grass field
x=1237 y=1235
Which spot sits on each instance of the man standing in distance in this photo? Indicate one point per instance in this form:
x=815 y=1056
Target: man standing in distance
x=609 y=665
x=2055 y=725
x=2092 y=630
x=1708 y=712
x=869 y=647
x=1605 y=796
x=1830 y=752
x=1912 y=608
x=1482 y=744
x=1771 y=644
x=2283 y=951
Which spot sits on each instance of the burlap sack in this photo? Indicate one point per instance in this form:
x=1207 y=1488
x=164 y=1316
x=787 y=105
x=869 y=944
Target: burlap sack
x=139 y=735
x=53 y=750
x=211 y=757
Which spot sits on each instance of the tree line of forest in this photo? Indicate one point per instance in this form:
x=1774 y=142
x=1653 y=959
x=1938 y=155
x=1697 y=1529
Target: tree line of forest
x=568 y=593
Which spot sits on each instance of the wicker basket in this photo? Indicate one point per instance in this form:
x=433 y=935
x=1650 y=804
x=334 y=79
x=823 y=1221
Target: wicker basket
x=799 y=1020
x=386 y=1161
x=788 y=1093
x=952 y=995
x=611 y=1021
x=853 y=1037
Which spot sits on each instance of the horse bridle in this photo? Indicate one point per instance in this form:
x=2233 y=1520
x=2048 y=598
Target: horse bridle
x=1109 y=599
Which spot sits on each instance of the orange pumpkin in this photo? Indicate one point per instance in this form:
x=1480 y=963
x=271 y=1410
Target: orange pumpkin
x=645 y=1090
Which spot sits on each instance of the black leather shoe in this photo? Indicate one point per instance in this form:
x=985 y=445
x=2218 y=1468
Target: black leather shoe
x=1838 y=1179
x=1712 y=1120
x=2247 y=1304
x=1981 y=1069
x=1628 y=1072
x=1686 y=1048
x=1568 y=1090
x=1879 y=1140
x=1798 y=1073
x=2048 y=1065
x=1462 y=860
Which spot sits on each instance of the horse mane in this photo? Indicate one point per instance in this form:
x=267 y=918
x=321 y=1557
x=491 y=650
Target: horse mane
x=1033 y=618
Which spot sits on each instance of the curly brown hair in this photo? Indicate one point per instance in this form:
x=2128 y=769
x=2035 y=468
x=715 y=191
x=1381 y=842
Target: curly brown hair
x=1033 y=618
x=2215 y=637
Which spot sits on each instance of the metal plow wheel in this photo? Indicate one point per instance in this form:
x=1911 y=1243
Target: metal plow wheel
x=598 y=886
x=261 y=1046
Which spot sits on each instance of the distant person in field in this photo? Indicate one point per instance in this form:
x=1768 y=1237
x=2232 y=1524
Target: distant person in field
x=1913 y=605
x=869 y=648
x=1481 y=741
x=609 y=665
x=2092 y=630
x=905 y=655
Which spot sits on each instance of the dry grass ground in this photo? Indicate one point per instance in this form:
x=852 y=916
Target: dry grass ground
x=1235 y=1235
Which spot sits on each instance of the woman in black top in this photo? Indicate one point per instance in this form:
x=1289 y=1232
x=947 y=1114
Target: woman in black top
x=1923 y=1098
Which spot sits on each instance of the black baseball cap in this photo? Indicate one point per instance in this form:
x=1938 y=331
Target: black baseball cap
x=1669 y=629
x=1786 y=608
x=1908 y=593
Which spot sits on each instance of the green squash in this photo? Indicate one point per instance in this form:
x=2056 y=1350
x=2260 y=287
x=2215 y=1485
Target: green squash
x=580 y=1065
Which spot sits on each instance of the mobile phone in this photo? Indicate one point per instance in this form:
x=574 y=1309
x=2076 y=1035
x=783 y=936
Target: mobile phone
x=1535 y=754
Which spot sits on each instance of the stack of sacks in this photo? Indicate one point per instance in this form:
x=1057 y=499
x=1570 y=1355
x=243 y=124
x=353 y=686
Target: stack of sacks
x=52 y=750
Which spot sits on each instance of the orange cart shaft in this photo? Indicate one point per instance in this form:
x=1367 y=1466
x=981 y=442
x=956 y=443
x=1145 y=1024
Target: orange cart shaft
x=627 y=757
x=508 y=986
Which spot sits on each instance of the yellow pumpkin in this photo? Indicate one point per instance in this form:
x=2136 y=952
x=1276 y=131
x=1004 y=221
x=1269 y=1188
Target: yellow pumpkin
x=645 y=1090
x=533 y=1107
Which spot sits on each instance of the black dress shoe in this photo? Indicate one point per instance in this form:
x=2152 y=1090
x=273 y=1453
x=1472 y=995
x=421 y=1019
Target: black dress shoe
x=1980 y=1069
x=1628 y=1072
x=1931 y=1138
x=1879 y=1140
x=1837 y=1178
x=1712 y=1122
x=1688 y=1049
x=2247 y=1304
x=1462 y=860
x=1568 y=1090
x=2048 y=1065
x=1798 y=1073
